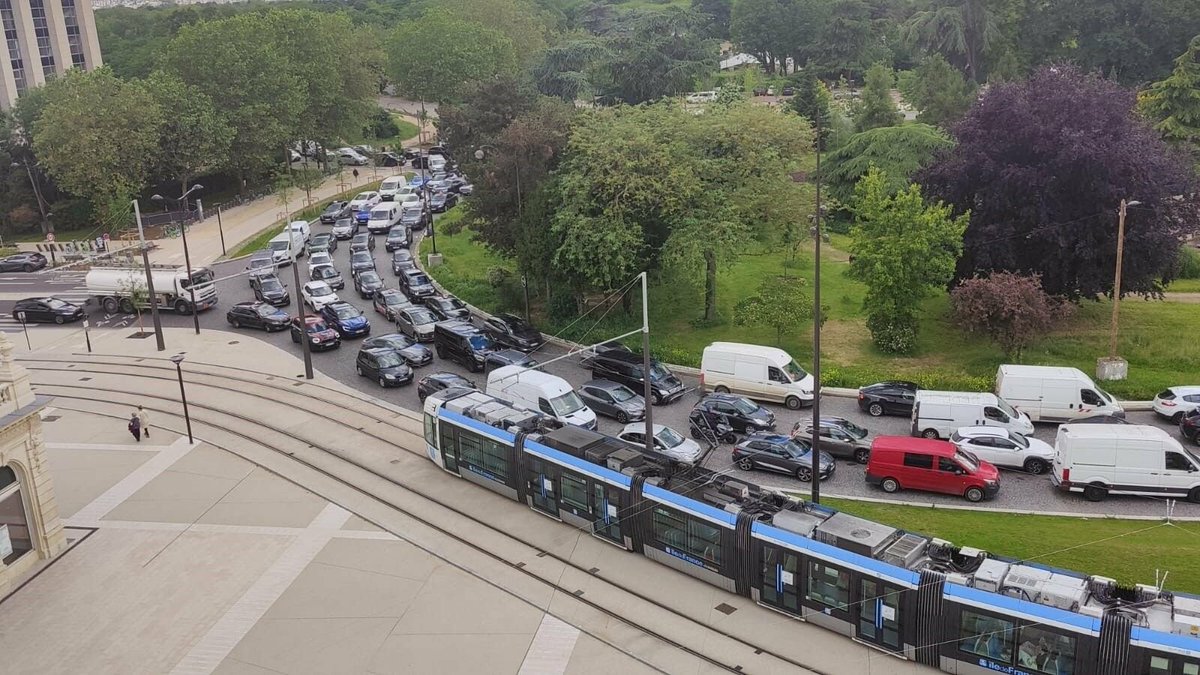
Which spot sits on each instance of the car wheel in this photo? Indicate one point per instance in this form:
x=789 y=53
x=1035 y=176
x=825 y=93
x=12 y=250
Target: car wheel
x=745 y=464
x=804 y=473
x=622 y=418
x=792 y=402
x=295 y=338
x=1194 y=495
x=890 y=485
x=729 y=438
x=473 y=366
x=59 y=320
x=1095 y=492
x=875 y=410
x=974 y=494
x=722 y=389
x=930 y=433
x=28 y=268
x=382 y=382
x=236 y=323
x=861 y=455
x=657 y=400
x=1176 y=418
x=1036 y=467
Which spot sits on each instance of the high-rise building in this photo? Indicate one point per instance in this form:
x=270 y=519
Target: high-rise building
x=44 y=37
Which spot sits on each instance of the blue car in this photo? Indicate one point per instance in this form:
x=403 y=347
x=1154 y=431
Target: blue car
x=418 y=180
x=346 y=319
x=361 y=217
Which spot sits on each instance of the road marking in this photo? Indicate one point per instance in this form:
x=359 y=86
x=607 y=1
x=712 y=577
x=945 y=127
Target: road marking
x=135 y=481
x=134 y=447
x=550 y=651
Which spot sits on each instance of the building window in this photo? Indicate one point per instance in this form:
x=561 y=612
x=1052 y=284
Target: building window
x=14 y=45
x=14 y=526
x=74 y=39
x=42 y=31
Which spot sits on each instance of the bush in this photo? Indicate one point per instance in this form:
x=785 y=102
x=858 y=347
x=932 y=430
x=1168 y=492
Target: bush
x=1189 y=263
x=893 y=334
x=382 y=125
x=1010 y=309
x=561 y=304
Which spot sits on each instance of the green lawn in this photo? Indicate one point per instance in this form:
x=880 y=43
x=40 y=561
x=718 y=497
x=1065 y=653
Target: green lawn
x=1129 y=551
x=1184 y=286
x=945 y=358
x=407 y=129
x=259 y=241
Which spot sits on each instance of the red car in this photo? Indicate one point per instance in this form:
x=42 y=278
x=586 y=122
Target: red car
x=906 y=463
x=320 y=335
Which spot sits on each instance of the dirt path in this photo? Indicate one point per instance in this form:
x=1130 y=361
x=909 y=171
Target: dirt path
x=1185 y=298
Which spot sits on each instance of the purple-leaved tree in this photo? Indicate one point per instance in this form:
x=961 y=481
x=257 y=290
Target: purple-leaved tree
x=1042 y=166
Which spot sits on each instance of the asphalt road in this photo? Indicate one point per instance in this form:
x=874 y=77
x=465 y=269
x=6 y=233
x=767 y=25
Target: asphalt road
x=1018 y=491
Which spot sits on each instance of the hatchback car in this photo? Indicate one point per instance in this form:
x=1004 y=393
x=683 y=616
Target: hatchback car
x=329 y=275
x=666 y=440
x=270 y=290
x=388 y=301
x=362 y=242
x=513 y=331
x=435 y=382
x=256 y=314
x=397 y=238
x=334 y=211
x=414 y=219
x=324 y=241
x=613 y=400
x=776 y=452
x=415 y=354
x=363 y=201
x=416 y=284
x=1006 y=449
x=447 y=307
x=46 y=310
x=346 y=319
x=320 y=336
x=367 y=284
x=23 y=262
x=839 y=436
x=361 y=261
x=344 y=228
x=383 y=365
x=317 y=294
x=403 y=260
x=416 y=322
x=742 y=414
x=1175 y=402
x=893 y=397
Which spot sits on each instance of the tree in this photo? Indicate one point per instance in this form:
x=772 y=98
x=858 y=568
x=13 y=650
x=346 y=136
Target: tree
x=877 y=109
x=902 y=248
x=780 y=303
x=565 y=70
x=425 y=65
x=192 y=136
x=1040 y=204
x=519 y=20
x=1173 y=104
x=135 y=289
x=960 y=30
x=486 y=109
x=97 y=135
x=1010 y=309
x=847 y=42
x=660 y=53
x=308 y=180
x=899 y=152
x=755 y=27
x=718 y=13
x=938 y=91
x=813 y=102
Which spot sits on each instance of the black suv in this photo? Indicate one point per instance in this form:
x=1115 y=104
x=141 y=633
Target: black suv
x=626 y=368
x=839 y=436
x=270 y=290
x=892 y=397
x=397 y=238
x=462 y=342
x=775 y=452
x=447 y=307
x=402 y=259
x=742 y=414
x=334 y=211
x=415 y=284
x=513 y=331
x=384 y=365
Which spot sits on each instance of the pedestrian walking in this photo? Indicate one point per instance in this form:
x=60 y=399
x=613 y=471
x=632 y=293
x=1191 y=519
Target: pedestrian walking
x=135 y=427
x=144 y=421
x=355 y=174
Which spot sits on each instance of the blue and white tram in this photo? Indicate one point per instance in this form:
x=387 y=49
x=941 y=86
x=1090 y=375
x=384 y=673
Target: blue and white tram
x=891 y=590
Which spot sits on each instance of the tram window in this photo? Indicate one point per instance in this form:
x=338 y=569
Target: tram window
x=705 y=541
x=574 y=492
x=986 y=636
x=431 y=430
x=670 y=529
x=686 y=535
x=484 y=453
x=1045 y=651
x=1159 y=665
x=828 y=585
x=1191 y=669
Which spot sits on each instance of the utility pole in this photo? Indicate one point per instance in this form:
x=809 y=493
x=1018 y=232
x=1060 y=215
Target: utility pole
x=816 y=412
x=158 y=332
x=647 y=392
x=308 y=370
x=1112 y=331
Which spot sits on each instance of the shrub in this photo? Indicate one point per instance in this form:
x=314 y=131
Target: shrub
x=893 y=334
x=382 y=125
x=1189 y=263
x=561 y=305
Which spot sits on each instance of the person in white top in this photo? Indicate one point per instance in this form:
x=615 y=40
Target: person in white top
x=144 y=417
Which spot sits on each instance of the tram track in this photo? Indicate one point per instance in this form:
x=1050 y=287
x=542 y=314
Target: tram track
x=403 y=431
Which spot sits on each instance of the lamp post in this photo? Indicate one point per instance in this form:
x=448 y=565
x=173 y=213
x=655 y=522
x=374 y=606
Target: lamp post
x=178 y=361
x=302 y=318
x=480 y=154
x=1113 y=367
x=158 y=332
x=816 y=406
x=187 y=258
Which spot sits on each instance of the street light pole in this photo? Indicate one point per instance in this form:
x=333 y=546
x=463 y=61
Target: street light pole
x=187 y=258
x=305 y=347
x=816 y=411
x=158 y=332
x=178 y=361
x=647 y=388
x=1112 y=331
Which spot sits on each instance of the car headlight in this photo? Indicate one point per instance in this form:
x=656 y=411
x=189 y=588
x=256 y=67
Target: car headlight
x=389 y=376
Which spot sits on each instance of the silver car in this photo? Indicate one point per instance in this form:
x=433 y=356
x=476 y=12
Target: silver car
x=417 y=323
x=666 y=440
x=345 y=228
x=614 y=400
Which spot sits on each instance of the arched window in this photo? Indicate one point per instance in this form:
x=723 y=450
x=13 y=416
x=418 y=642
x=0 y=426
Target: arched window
x=14 y=526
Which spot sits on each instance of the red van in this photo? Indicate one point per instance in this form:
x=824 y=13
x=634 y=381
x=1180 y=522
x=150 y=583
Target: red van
x=903 y=462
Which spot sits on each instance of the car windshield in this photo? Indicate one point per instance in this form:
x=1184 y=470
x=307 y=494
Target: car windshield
x=272 y=285
x=319 y=240
x=394 y=299
x=259 y=263
x=360 y=257
x=280 y=245
x=318 y=327
x=797 y=449
x=333 y=207
x=794 y=371
x=967 y=460
x=319 y=259
x=362 y=197
x=566 y=404
x=55 y=303
x=319 y=291
x=745 y=407
x=480 y=342
x=418 y=279
x=343 y=223
x=390 y=360
x=368 y=278
x=1105 y=395
x=267 y=310
x=621 y=394
x=324 y=272
x=1004 y=405
x=669 y=437
x=347 y=312
x=398 y=341
x=852 y=429
x=421 y=317
x=402 y=254
x=658 y=372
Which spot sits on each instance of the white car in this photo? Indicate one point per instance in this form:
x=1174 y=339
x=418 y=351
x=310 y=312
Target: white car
x=363 y=201
x=351 y=157
x=1175 y=402
x=317 y=294
x=666 y=440
x=319 y=258
x=1006 y=449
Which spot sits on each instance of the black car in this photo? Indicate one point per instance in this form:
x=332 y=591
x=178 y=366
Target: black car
x=441 y=202
x=839 y=437
x=320 y=336
x=1189 y=426
x=891 y=397
x=255 y=314
x=270 y=289
x=414 y=219
x=416 y=284
x=414 y=353
x=508 y=357
x=626 y=368
x=322 y=242
x=23 y=262
x=775 y=452
x=403 y=260
x=742 y=414
x=447 y=307
x=362 y=242
x=334 y=211
x=462 y=342
x=389 y=301
x=590 y=353
x=397 y=238
x=46 y=310
x=614 y=400
x=383 y=365
x=389 y=159
x=361 y=261
x=367 y=283
x=329 y=275
x=346 y=319
x=435 y=382
x=513 y=331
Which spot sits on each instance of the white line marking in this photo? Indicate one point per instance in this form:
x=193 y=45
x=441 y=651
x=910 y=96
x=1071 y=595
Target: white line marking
x=135 y=481
x=133 y=447
x=550 y=651
x=216 y=528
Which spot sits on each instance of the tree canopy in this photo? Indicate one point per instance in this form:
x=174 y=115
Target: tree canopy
x=424 y=64
x=1173 y=104
x=877 y=109
x=899 y=152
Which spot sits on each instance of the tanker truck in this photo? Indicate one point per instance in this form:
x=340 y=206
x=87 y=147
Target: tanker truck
x=113 y=288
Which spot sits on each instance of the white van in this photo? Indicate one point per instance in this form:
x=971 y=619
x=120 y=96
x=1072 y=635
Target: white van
x=383 y=217
x=390 y=186
x=287 y=246
x=1053 y=393
x=540 y=392
x=938 y=414
x=764 y=373
x=1131 y=459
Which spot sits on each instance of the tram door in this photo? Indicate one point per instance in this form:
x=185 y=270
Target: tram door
x=780 y=579
x=449 y=448
x=879 y=614
x=608 y=500
x=542 y=488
